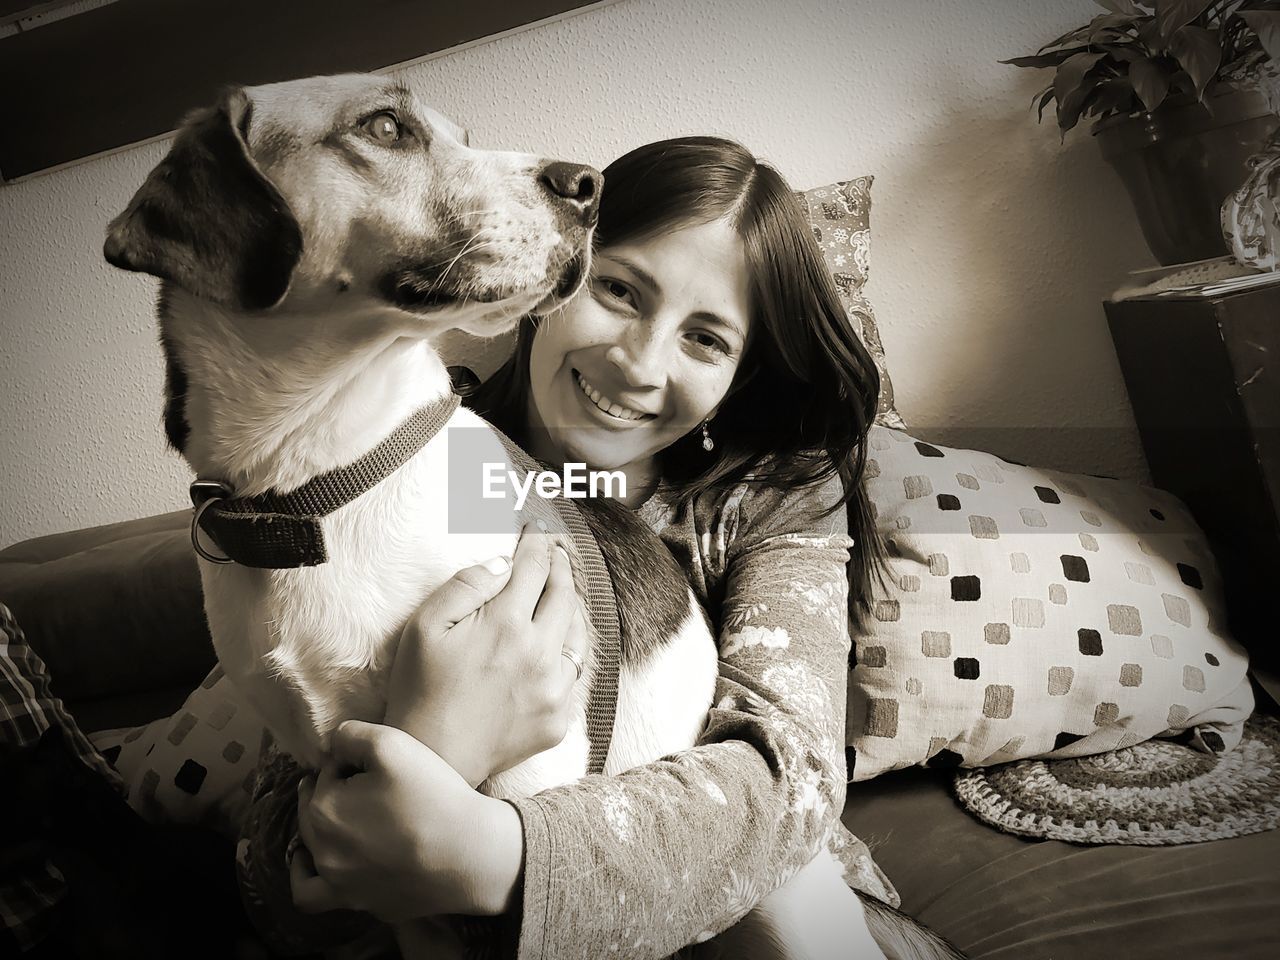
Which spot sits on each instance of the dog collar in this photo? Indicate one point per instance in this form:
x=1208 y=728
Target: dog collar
x=281 y=531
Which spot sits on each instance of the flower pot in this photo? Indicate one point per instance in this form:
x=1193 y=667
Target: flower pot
x=1181 y=161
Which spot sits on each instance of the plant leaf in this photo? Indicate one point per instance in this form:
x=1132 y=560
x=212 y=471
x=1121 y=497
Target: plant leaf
x=1073 y=100
x=1079 y=33
x=1112 y=96
x=1112 y=20
x=1044 y=101
x=1172 y=14
x=1150 y=83
x=1083 y=34
x=1266 y=24
x=1200 y=52
x=1119 y=51
x=1149 y=35
x=1044 y=59
x=1127 y=7
x=1071 y=73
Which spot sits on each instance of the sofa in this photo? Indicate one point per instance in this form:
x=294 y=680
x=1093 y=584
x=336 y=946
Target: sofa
x=116 y=613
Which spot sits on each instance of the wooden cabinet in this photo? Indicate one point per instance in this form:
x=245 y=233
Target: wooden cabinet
x=1203 y=376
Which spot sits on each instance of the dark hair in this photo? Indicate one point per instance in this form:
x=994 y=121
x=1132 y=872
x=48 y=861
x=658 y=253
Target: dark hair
x=811 y=387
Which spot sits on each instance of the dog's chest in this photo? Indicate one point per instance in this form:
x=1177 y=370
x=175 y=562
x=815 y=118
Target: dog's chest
x=311 y=647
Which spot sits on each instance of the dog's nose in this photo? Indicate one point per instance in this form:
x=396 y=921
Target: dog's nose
x=579 y=186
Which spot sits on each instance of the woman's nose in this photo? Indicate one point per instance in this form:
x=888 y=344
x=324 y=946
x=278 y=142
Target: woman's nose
x=640 y=355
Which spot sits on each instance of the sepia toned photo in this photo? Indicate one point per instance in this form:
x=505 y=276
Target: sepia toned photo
x=470 y=488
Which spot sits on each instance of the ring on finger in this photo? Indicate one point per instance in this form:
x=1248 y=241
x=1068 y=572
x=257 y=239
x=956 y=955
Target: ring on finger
x=573 y=657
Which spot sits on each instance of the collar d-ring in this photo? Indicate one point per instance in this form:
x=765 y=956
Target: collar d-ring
x=206 y=493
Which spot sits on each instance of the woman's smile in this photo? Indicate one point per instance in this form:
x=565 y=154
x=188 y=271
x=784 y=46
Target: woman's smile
x=611 y=408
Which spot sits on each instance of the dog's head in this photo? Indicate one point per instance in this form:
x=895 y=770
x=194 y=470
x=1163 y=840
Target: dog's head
x=334 y=190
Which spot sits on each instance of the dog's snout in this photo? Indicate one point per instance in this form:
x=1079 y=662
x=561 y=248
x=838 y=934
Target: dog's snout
x=576 y=184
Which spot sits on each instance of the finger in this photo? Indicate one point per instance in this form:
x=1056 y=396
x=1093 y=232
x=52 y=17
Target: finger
x=530 y=566
x=559 y=599
x=312 y=893
x=331 y=775
x=466 y=592
x=358 y=746
x=306 y=819
x=577 y=643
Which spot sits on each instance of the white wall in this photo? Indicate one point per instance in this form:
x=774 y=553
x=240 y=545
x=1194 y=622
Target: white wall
x=993 y=245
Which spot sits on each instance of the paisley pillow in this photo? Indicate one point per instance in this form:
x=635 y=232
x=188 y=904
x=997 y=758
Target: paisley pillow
x=840 y=215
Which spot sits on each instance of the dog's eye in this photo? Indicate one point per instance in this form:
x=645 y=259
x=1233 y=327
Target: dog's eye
x=383 y=127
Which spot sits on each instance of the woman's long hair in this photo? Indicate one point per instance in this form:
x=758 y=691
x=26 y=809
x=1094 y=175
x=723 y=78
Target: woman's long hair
x=806 y=391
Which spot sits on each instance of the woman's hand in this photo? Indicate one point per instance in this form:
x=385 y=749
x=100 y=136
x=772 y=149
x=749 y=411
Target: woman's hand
x=479 y=674
x=392 y=829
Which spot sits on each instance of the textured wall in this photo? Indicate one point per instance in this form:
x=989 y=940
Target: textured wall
x=993 y=244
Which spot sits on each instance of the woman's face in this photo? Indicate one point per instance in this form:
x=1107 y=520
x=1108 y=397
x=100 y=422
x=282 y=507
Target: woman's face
x=645 y=352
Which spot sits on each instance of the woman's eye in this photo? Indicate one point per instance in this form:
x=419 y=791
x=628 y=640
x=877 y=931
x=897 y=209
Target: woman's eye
x=384 y=127
x=616 y=289
x=709 y=342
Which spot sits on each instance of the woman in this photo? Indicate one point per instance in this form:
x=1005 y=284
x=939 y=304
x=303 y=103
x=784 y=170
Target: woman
x=711 y=362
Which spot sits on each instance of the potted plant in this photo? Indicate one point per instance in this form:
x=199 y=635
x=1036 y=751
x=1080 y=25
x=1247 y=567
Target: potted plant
x=1182 y=92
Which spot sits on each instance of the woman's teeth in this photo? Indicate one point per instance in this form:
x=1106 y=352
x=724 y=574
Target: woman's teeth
x=607 y=405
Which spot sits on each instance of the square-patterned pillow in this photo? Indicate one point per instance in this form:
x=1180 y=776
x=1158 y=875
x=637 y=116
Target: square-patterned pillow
x=840 y=215
x=196 y=766
x=1033 y=613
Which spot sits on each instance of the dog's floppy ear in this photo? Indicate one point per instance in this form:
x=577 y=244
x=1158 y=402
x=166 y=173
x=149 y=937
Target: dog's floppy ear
x=208 y=219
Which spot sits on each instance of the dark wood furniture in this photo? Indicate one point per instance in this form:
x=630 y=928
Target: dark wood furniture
x=1203 y=375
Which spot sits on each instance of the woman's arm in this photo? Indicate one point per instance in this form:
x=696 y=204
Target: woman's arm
x=676 y=851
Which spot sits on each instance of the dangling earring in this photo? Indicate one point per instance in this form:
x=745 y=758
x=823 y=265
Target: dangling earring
x=707 y=443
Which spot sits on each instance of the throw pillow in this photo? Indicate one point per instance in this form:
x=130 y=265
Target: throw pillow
x=196 y=766
x=840 y=215
x=1033 y=613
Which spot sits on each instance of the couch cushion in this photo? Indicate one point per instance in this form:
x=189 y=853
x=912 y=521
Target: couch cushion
x=1001 y=897
x=113 y=610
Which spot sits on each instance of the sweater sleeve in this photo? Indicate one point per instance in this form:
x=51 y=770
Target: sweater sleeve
x=672 y=853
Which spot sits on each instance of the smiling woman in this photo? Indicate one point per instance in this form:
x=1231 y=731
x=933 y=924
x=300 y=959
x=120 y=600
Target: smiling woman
x=645 y=371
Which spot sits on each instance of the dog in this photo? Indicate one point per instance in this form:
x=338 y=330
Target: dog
x=316 y=239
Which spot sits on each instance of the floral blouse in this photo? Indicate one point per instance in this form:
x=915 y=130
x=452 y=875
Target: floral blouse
x=672 y=853
x=642 y=864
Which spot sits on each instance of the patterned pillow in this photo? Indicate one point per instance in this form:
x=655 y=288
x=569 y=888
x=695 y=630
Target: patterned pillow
x=1033 y=613
x=196 y=766
x=840 y=215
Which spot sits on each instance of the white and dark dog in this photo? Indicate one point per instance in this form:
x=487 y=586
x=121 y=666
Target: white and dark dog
x=316 y=239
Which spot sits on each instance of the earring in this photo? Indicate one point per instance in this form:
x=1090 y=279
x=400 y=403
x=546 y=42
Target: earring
x=707 y=443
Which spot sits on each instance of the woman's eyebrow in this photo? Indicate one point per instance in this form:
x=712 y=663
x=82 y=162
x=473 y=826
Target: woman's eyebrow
x=648 y=280
x=715 y=319
x=643 y=275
